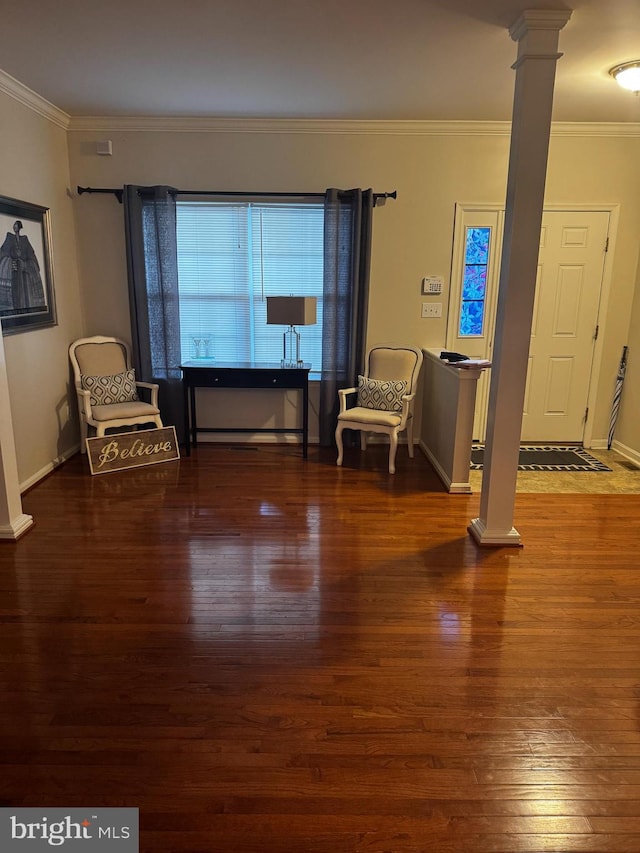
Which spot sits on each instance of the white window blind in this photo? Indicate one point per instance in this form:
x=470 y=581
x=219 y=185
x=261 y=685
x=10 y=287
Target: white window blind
x=231 y=256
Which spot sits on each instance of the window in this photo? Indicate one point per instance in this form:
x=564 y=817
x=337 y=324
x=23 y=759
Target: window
x=474 y=282
x=231 y=256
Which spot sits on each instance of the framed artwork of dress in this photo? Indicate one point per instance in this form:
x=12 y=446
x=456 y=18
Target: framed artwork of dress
x=26 y=270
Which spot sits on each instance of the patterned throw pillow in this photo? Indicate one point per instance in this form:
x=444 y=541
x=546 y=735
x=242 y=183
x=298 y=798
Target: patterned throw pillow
x=120 y=388
x=380 y=394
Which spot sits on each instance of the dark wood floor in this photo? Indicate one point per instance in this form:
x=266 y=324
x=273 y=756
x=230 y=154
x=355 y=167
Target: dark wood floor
x=272 y=655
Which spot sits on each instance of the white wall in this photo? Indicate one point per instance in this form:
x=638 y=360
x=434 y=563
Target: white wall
x=431 y=171
x=34 y=168
x=607 y=169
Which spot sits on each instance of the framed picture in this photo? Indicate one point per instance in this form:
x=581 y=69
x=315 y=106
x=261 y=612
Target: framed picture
x=26 y=268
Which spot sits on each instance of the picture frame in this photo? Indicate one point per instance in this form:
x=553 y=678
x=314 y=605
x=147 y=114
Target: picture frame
x=27 y=297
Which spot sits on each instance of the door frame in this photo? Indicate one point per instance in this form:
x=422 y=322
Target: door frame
x=461 y=209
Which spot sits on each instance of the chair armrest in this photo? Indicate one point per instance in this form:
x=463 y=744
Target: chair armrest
x=407 y=401
x=84 y=399
x=150 y=386
x=343 y=393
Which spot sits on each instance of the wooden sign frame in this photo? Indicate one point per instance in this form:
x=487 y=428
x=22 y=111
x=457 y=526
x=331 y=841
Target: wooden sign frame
x=124 y=450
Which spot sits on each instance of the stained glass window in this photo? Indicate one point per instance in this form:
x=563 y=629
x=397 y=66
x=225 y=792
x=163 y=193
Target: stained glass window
x=474 y=283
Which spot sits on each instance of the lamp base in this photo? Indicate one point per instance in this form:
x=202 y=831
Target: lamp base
x=291 y=348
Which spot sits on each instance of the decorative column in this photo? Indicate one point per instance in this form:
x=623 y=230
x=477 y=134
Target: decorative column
x=13 y=522
x=537 y=34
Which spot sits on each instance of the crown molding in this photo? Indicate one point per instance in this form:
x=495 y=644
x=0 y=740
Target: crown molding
x=203 y=124
x=578 y=128
x=539 y=19
x=197 y=124
x=21 y=93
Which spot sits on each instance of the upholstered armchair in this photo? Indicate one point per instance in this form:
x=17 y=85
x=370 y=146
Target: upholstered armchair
x=385 y=398
x=107 y=389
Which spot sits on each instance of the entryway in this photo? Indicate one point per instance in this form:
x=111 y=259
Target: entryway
x=573 y=245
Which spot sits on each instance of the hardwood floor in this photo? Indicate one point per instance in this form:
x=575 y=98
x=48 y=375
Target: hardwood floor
x=268 y=655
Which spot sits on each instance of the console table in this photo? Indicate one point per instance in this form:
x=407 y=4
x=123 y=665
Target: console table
x=203 y=373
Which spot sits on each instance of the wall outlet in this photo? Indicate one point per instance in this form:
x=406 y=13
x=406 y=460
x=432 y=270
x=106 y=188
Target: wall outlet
x=431 y=309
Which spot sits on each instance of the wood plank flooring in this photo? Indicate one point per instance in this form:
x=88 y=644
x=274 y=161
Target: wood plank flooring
x=271 y=655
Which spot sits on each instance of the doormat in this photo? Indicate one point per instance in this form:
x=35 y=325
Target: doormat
x=546 y=458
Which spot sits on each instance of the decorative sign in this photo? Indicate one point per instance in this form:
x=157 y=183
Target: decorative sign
x=119 y=451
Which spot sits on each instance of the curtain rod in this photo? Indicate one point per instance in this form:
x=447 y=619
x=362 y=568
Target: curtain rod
x=118 y=193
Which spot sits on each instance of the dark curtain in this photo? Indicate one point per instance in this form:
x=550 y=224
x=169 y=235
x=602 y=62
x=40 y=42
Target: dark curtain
x=152 y=266
x=347 y=260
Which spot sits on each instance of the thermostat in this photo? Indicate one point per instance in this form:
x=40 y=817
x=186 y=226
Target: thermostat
x=432 y=285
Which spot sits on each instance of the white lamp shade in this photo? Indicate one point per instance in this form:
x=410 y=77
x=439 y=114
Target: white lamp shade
x=291 y=310
x=627 y=75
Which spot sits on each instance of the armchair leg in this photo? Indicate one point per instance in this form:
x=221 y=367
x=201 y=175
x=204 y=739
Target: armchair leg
x=83 y=435
x=363 y=439
x=339 y=429
x=410 y=437
x=393 y=446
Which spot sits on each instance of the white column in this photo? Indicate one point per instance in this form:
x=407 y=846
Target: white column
x=13 y=522
x=537 y=34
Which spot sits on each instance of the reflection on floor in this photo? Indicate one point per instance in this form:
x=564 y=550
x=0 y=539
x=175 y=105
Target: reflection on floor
x=624 y=478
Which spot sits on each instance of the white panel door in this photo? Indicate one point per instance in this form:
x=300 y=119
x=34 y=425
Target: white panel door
x=570 y=268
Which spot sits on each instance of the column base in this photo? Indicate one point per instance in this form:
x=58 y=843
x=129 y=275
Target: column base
x=17 y=528
x=493 y=538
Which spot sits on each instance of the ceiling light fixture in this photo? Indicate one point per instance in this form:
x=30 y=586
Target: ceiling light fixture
x=627 y=75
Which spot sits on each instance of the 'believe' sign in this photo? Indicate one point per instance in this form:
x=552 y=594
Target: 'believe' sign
x=119 y=451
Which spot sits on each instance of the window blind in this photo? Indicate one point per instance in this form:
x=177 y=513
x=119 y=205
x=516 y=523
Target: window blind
x=231 y=256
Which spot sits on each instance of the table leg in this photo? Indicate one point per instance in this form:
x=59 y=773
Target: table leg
x=187 y=427
x=305 y=419
x=194 y=426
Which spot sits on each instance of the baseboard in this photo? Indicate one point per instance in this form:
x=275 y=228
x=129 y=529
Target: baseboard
x=450 y=486
x=51 y=466
x=628 y=452
x=253 y=438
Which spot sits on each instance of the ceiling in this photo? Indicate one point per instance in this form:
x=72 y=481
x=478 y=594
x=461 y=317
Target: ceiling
x=440 y=60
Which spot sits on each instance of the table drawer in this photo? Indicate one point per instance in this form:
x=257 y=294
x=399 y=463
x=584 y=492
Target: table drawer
x=204 y=377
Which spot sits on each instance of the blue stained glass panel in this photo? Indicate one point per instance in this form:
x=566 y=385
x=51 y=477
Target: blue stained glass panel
x=475 y=281
x=471 y=318
x=474 y=284
x=477 y=248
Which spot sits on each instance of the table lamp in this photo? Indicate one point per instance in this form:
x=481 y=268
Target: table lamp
x=291 y=311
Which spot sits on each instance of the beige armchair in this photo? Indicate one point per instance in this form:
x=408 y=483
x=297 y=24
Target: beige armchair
x=107 y=388
x=385 y=398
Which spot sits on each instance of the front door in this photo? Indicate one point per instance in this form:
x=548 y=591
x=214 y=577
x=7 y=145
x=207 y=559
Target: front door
x=565 y=315
x=569 y=281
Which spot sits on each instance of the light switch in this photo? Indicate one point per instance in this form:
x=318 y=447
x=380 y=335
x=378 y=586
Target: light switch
x=431 y=309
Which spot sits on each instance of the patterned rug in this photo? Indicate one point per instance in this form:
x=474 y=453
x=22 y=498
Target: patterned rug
x=546 y=458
